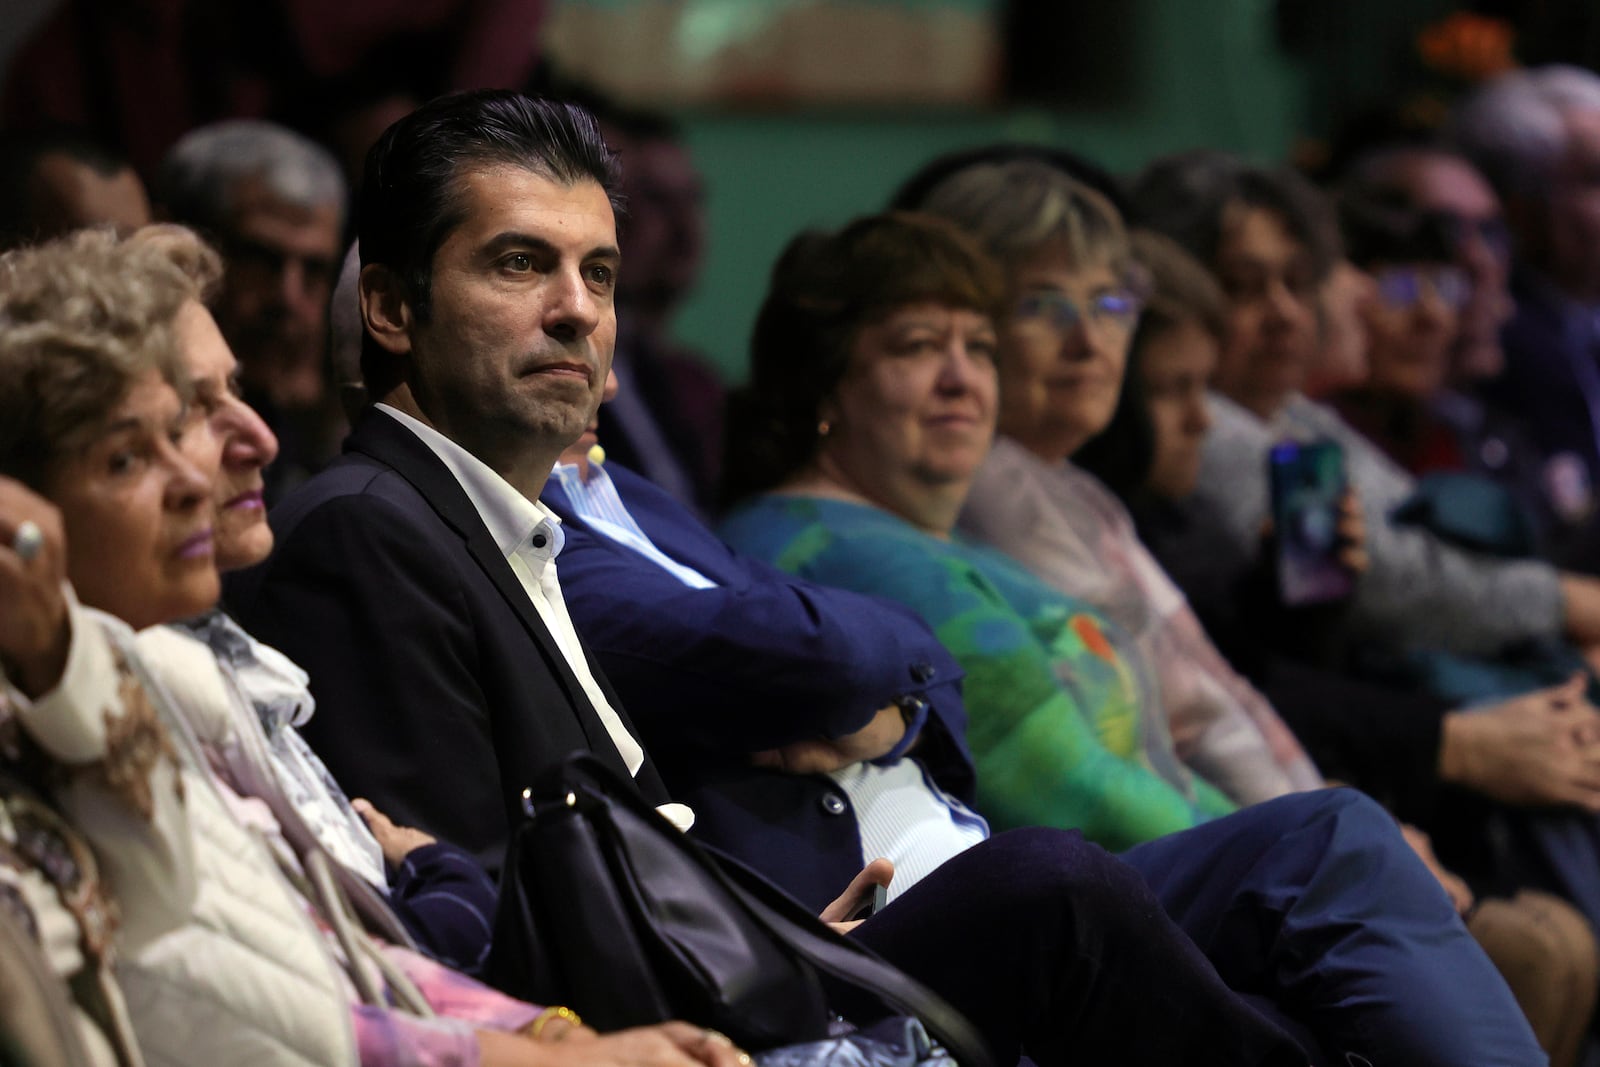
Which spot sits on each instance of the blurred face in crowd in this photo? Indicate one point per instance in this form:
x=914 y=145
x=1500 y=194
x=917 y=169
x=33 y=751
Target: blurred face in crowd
x=1341 y=358
x=1450 y=187
x=1411 y=326
x=136 y=507
x=1270 y=283
x=1572 y=233
x=1063 y=352
x=1175 y=369
x=665 y=235
x=69 y=195
x=514 y=355
x=282 y=260
x=226 y=424
x=915 y=412
x=577 y=453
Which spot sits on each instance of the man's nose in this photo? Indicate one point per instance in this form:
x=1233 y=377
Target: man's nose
x=573 y=310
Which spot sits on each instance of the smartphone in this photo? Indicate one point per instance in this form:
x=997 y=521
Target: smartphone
x=873 y=902
x=1308 y=483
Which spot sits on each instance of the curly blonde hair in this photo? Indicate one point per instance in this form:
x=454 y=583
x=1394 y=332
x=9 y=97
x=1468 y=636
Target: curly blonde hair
x=83 y=318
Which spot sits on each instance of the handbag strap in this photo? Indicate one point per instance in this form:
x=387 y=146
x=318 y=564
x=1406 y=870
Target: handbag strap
x=849 y=961
x=803 y=933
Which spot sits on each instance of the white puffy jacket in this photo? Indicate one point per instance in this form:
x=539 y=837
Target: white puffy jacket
x=218 y=959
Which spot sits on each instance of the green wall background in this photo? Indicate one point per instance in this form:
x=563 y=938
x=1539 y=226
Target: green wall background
x=1206 y=72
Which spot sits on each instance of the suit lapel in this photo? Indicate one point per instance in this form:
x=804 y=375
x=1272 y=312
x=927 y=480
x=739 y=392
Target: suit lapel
x=384 y=439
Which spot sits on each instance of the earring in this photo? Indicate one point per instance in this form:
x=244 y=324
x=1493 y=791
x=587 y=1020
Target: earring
x=823 y=428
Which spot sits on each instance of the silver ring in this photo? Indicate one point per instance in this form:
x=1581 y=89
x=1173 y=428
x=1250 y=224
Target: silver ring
x=28 y=541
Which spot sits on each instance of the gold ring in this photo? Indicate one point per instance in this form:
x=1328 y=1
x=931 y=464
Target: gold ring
x=557 y=1012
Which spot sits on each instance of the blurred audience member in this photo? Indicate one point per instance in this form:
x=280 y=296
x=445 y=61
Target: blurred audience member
x=1439 y=183
x=57 y=181
x=1269 y=238
x=666 y=422
x=1410 y=329
x=1428 y=763
x=274 y=203
x=1536 y=135
x=1063 y=348
x=1427 y=190
x=345 y=332
x=1341 y=356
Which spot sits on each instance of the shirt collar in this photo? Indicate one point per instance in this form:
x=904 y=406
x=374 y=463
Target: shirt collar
x=516 y=523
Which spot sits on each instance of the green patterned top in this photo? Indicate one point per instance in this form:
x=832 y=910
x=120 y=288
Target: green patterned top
x=1058 y=723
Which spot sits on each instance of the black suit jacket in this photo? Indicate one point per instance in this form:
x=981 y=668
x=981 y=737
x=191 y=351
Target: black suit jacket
x=440 y=693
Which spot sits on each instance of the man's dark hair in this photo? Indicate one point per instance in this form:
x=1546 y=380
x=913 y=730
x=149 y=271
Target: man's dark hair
x=410 y=193
x=20 y=156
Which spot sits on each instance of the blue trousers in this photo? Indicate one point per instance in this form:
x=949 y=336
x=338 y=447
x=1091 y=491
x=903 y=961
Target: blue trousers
x=1313 y=902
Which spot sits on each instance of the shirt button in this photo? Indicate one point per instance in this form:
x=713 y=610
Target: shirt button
x=922 y=672
x=540 y=540
x=833 y=804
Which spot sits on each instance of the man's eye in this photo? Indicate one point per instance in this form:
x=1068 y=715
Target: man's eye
x=519 y=263
x=601 y=274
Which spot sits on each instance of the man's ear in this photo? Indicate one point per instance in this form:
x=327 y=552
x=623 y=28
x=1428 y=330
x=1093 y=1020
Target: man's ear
x=384 y=310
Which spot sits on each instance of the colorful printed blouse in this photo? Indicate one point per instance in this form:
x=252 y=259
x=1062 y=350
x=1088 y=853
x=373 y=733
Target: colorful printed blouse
x=1059 y=726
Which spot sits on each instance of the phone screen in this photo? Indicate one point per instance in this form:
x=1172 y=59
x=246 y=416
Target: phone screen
x=1308 y=482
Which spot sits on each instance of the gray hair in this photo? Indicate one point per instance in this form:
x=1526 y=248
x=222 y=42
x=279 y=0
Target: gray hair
x=1015 y=209
x=199 y=174
x=1514 y=128
x=81 y=319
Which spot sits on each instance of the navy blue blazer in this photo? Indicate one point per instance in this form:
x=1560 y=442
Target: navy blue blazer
x=762 y=659
x=440 y=693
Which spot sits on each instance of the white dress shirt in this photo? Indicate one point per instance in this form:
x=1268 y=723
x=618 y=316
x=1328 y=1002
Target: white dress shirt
x=529 y=536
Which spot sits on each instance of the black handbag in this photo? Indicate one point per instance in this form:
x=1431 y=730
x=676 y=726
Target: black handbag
x=606 y=907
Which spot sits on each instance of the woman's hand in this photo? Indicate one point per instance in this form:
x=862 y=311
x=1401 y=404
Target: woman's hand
x=1536 y=749
x=35 y=633
x=397 y=842
x=673 y=1044
x=1352 y=534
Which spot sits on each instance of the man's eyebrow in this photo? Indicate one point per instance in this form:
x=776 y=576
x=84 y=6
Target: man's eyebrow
x=512 y=239
x=500 y=242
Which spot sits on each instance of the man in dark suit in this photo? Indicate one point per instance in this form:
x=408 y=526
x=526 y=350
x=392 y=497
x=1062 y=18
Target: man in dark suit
x=411 y=578
x=416 y=582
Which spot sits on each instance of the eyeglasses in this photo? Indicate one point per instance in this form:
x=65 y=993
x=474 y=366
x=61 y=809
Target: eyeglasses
x=1116 y=309
x=1405 y=287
